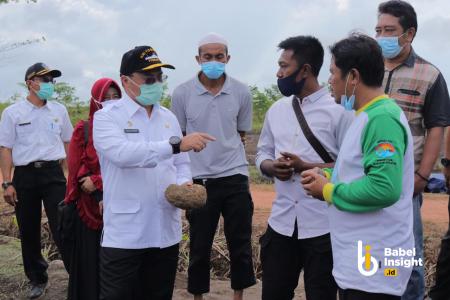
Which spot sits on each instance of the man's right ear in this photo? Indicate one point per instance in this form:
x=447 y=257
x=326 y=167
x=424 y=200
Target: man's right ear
x=197 y=58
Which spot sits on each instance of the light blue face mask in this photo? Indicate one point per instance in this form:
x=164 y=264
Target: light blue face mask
x=151 y=94
x=390 y=46
x=213 y=69
x=46 y=90
x=346 y=102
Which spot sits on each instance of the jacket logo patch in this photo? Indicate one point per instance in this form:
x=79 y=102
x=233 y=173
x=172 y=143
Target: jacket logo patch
x=384 y=150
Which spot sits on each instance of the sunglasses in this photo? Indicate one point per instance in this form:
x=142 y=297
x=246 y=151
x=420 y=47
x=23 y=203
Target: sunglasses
x=45 y=79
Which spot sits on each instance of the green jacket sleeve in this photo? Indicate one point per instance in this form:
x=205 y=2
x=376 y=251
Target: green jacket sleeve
x=384 y=141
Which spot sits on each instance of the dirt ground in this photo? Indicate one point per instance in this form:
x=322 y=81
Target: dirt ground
x=434 y=208
x=13 y=284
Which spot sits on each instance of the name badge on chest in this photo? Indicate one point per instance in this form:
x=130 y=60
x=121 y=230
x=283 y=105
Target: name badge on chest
x=131 y=130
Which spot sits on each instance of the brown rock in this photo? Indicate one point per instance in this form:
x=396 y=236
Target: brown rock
x=186 y=197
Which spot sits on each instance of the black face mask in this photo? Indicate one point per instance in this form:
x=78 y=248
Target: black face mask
x=288 y=86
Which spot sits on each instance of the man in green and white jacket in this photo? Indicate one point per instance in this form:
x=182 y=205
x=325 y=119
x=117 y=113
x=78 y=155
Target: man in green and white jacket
x=370 y=188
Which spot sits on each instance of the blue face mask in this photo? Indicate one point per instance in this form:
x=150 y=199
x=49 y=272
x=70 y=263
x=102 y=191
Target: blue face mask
x=213 y=69
x=46 y=90
x=390 y=46
x=346 y=102
x=151 y=94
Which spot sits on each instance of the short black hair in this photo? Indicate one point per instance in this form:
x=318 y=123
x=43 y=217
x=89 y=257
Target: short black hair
x=402 y=10
x=362 y=53
x=307 y=50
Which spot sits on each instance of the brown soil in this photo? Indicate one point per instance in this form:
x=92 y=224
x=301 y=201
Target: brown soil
x=434 y=208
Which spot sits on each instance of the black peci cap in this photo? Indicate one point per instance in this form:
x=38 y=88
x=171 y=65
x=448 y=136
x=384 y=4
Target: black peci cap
x=141 y=59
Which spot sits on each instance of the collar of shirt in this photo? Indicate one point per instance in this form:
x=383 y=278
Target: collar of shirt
x=47 y=105
x=371 y=102
x=409 y=62
x=202 y=90
x=132 y=107
x=315 y=96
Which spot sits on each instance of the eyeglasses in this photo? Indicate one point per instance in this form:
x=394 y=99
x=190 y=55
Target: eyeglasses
x=45 y=79
x=151 y=79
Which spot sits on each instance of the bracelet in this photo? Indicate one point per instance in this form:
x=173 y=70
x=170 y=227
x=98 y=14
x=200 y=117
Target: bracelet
x=421 y=177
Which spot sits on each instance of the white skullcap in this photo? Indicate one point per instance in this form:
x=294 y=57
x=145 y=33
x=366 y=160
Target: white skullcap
x=212 y=38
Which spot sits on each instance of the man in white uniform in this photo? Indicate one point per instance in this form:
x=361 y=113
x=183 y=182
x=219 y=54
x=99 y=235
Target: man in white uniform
x=139 y=143
x=34 y=136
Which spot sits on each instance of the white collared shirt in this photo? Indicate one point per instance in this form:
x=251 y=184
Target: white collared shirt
x=137 y=165
x=35 y=133
x=282 y=133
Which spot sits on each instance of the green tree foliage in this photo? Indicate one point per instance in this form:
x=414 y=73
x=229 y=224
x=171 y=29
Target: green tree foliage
x=262 y=100
x=65 y=94
x=166 y=99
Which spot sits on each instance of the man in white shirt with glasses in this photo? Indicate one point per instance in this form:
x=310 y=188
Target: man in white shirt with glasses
x=141 y=151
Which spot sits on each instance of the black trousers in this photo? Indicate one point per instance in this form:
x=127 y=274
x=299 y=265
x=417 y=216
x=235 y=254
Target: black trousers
x=283 y=258
x=361 y=295
x=229 y=196
x=84 y=261
x=441 y=290
x=33 y=186
x=138 y=274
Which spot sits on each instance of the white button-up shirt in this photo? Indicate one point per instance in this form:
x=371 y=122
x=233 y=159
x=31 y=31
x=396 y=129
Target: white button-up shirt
x=35 y=133
x=282 y=133
x=137 y=165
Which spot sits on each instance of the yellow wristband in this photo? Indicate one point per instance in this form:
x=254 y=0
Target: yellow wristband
x=328 y=192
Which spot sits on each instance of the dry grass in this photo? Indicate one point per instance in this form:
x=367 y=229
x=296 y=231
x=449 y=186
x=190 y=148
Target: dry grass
x=432 y=243
x=220 y=258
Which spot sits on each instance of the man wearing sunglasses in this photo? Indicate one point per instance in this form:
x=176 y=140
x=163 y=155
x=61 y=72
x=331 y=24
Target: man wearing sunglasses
x=141 y=152
x=218 y=104
x=34 y=136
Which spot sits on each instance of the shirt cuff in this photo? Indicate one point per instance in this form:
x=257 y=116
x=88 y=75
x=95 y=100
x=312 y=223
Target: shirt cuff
x=183 y=180
x=259 y=160
x=328 y=192
x=327 y=174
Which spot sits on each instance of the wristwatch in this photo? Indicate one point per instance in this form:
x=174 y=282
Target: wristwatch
x=175 y=142
x=445 y=162
x=5 y=184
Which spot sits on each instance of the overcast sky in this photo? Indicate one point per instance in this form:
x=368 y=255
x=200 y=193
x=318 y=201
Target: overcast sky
x=86 y=39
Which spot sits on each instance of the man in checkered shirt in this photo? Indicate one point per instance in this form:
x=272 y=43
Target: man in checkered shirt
x=420 y=90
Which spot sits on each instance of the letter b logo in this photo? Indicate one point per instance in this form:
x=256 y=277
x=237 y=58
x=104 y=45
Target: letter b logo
x=367 y=264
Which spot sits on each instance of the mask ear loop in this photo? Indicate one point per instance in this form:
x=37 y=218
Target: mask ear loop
x=354 y=88
x=134 y=84
x=346 y=82
x=31 y=88
x=97 y=103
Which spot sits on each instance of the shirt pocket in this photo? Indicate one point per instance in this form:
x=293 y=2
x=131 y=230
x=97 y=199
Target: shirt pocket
x=24 y=132
x=125 y=215
x=53 y=132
